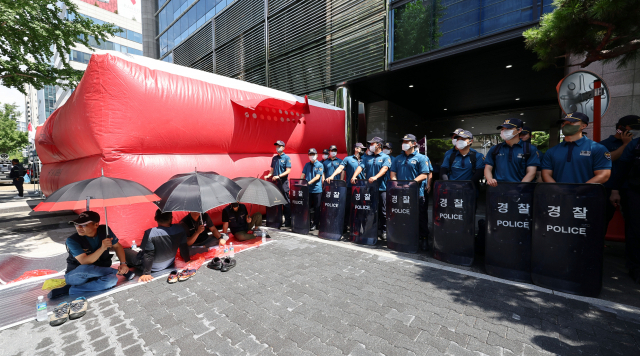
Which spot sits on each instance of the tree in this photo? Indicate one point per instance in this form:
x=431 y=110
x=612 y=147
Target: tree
x=602 y=30
x=416 y=28
x=10 y=138
x=540 y=139
x=32 y=32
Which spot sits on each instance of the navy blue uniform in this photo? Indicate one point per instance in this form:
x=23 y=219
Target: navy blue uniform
x=330 y=166
x=350 y=164
x=511 y=164
x=630 y=203
x=612 y=143
x=575 y=162
x=462 y=169
x=408 y=167
x=372 y=166
x=280 y=163
x=310 y=171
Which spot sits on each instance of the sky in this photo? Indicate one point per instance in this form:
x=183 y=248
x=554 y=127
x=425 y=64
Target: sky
x=10 y=96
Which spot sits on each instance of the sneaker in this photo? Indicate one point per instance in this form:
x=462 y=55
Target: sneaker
x=216 y=263
x=60 y=314
x=227 y=264
x=78 y=308
x=18 y=197
x=186 y=274
x=173 y=277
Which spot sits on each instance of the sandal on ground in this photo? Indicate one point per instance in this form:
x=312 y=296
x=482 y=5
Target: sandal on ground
x=78 y=308
x=227 y=264
x=186 y=274
x=173 y=277
x=216 y=263
x=60 y=314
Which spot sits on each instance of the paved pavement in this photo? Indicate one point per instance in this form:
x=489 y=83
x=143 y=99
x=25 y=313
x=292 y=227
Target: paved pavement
x=303 y=296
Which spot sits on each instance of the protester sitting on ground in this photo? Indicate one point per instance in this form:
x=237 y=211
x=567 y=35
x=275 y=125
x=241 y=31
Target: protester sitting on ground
x=194 y=227
x=89 y=262
x=159 y=246
x=236 y=218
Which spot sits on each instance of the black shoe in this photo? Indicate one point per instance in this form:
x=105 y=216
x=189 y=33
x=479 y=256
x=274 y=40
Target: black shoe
x=59 y=292
x=216 y=263
x=129 y=275
x=227 y=264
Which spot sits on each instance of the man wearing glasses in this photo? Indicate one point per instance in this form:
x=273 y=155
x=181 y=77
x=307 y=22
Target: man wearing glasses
x=89 y=262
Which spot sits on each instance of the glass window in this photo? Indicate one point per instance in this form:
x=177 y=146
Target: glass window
x=192 y=16
x=200 y=22
x=210 y=14
x=184 y=24
x=191 y=29
x=201 y=9
x=162 y=20
x=221 y=4
x=137 y=37
x=116 y=47
x=163 y=41
x=210 y=5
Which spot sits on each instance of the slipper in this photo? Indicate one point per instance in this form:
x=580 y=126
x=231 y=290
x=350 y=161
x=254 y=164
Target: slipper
x=228 y=264
x=173 y=277
x=186 y=274
x=60 y=314
x=78 y=308
x=216 y=263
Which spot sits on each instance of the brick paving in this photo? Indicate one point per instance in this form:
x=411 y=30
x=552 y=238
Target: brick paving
x=298 y=296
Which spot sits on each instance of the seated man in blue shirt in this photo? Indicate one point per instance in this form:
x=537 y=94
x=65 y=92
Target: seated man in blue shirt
x=89 y=262
x=236 y=218
x=577 y=159
x=313 y=172
x=513 y=160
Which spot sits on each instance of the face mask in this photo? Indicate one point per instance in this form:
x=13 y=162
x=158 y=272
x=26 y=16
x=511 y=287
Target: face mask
x=368 y=153
x=325 y=156
x=569 y=130
x=313 y=158
x=635 y=133
x=385 y=151
x=406 y=147
x=280 y=149
x=333 y=154
x=461 y=144
x=372 y=148
x=508 y=134
x=453 y=140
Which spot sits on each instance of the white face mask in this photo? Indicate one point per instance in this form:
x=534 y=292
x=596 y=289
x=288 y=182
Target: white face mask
x=508 y=134
x=368 y=153
x=453 y=140
x=280 y=149
x=385 y=151
x=461 y=144
x=406 y=147
x=333 y=154
x=635 y=133
x=372 y=148
x=313 y=158
x=325 y=156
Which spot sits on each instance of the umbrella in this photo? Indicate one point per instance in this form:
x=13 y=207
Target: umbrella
x=95 y=193
x=196 y=192
x=259 y=192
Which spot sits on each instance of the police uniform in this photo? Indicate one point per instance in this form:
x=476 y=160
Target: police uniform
x=408 y=167
x=331 y=164
x=310 y=171
x=462 y=168
x=388 y=146
x=575 y=162
x=510 y=163
x=350 y=164
x=371 y=167
x=280 y=163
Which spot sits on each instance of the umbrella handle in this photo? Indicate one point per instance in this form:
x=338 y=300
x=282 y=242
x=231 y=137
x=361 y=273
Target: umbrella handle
x=106 y=221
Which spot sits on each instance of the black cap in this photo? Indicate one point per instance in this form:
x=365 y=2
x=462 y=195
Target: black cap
x=388 y=145
x=630 y=120
x=466 y=134
x=409 y=137
x=376 y=140
x=456 y=132
x=86 y=217
x=575 y=117
x=511 y=124
x=312 y=150
x=235 y=205
x=526 y=130
x=333 y=147
x=325 y=151
x=359 y=145
x=279 y=143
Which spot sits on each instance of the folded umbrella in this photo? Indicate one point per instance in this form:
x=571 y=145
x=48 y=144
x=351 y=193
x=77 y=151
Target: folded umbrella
x=196 y=192
x=259 y=192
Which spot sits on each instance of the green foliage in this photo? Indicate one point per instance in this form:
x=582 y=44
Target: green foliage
x=10 y=138
x=32 y=32
x=540 y=139
x=436 y=148
x=602 y=30
x=416 y=29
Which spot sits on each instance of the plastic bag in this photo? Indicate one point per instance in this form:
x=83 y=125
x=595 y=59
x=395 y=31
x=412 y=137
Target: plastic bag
x=34 y=273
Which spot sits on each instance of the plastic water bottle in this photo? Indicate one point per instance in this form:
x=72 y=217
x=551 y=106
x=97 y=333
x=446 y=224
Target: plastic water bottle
x=41 y=309
x=231 y=252
x=226 y=250
x=264 y=236
x=133 y=245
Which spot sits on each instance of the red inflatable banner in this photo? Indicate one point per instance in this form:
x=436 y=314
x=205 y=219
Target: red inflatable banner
x=147 y=120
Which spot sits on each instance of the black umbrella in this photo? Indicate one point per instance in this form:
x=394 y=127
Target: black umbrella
x=259 y=192
x=196 y=192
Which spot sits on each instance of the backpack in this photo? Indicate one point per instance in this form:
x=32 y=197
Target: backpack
x=472 y=157
x=526 y=148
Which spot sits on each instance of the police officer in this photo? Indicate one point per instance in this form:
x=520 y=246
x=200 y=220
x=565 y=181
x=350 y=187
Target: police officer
x=577 y=159
x=325 y=155
x=332 y=163
x=279 y=171
x=625 y=129
x=313 y=172
x=375 y=169
x=414 y=166
x=513 y=160
x=349 y=165
x=463 y=162
x=388 y=149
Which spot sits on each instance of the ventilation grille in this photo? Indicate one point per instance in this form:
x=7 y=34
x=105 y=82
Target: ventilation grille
x=205 y=64
x=195 y=47
x=242 y=53
x=237 y=19
x=256 y=76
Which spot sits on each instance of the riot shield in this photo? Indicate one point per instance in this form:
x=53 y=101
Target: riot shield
x=568 y=237
x=364 y=212
x=509 y=226
x=299 y=199
x=274 y=216
x=334 y=201
x=454 y=215
x=403 y=233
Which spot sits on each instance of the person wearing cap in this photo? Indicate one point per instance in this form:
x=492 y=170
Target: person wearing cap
x=577 y=159
x=159 y=247
x=325 y=155
x=198 y=226
x=412 y=165
x=463 y=163
x=332 y=163
x=376 y=169
x=89 y=262
x=513 y=160
x=236 y=218
x=525 y=136
x=349 y=166
x=313 y=172
x=278 y=173
x=627 y=128
x=388 y=149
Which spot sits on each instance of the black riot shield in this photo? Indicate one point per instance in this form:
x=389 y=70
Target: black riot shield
x=403 y=232
x=274 y=216
x=509 y=226
x=299 y=199
x=454 y=215
x=568 y=237
x=334 y=201
x=364 y=212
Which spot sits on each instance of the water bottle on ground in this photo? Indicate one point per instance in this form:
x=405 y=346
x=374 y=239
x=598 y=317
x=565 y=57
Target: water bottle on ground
x=133 y=245
x=231 y=252
x=41 y=309
x=264 y=236
x=226 y=250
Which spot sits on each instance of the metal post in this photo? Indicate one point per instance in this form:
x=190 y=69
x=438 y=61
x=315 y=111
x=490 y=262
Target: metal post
x=266 y=42
x=343 y=101
x=596 y=112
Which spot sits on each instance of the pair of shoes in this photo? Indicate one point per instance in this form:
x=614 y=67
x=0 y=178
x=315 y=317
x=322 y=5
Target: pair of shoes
x=173 y=277
x=186 y=274
x=65 y=311
x=59 y=292
x=224 y=265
